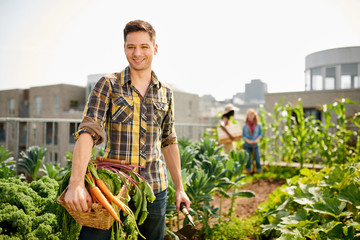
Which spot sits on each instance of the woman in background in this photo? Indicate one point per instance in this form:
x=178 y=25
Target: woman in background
x=226 y=120
x=252 y=133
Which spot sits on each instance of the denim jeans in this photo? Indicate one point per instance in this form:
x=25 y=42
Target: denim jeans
x=153 y=227
x=254 y=153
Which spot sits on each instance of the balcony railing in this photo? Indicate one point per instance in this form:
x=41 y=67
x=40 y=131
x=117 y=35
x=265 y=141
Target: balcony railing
x=18 y=134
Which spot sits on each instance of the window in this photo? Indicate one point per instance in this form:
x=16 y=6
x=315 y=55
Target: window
x=330 y=78
x=56 y=105
x=316 y=79
x=11 y=107
x=54 y=157
x=51 y=133
x=190 y=110
x=307 y=80
x=317 y=82
x=356 y=82
x=2 y=132
x=23 y=134
x=345 y=81
x=312 y=112
x=38 y=106
x=349 y=76
x=329 y=83
x=73 y=127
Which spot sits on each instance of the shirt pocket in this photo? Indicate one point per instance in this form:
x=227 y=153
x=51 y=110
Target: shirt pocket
x=159 y=111
x=122 y=109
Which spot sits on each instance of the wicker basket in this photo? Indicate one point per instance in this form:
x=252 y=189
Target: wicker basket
x=234 y=130
x=98 y=217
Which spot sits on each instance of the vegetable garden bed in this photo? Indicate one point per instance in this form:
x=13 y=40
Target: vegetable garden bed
x=227 y=204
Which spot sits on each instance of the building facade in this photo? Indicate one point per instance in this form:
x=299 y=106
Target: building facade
x=330 y=76
x=43 y=113
x=255 y=92
x=47 y=116
x=333 y=69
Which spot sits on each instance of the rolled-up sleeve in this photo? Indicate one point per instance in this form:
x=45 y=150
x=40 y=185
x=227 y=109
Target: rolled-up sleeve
x=168 y=127
x=95 y=111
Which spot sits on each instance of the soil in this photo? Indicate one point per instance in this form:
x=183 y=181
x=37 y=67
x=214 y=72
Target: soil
x=246 y=207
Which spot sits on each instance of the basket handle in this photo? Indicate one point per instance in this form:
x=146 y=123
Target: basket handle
x=102 y=159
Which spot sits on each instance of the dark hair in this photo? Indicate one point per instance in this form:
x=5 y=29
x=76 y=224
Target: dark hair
x=229 y=114
x=139 y=25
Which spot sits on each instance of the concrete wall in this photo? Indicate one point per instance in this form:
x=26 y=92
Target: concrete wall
x=186 y=107
x=65 y=93
x=18 y=96
x=314 y=99
x=333 y=57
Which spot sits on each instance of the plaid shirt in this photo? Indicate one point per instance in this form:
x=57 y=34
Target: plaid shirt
x=136 y=127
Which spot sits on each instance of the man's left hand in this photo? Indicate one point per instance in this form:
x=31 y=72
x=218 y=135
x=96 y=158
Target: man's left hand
x=180 y=196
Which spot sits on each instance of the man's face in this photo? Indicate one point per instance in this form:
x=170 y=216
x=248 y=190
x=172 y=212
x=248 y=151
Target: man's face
x=139 y=50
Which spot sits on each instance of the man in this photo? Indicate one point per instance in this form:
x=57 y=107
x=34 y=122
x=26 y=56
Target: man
x=137 y=113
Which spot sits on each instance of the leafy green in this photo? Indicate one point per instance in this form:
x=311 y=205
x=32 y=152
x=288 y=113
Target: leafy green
x=28 y=211
x=321 y=205
x=7 y=163
x=111 y=180
x=32 y=159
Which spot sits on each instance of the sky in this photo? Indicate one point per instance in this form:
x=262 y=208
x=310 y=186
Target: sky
x=205 y=46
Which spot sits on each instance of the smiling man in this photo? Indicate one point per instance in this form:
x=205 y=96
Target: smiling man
x=134 y=113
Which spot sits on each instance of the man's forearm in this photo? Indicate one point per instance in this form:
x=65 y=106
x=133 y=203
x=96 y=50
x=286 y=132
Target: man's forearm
x=81 y=158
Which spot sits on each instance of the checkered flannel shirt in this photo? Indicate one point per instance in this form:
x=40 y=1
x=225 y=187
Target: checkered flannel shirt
x=136 y=127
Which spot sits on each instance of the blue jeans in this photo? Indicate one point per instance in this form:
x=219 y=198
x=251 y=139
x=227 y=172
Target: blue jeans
x=153 y=227
x=254 y=153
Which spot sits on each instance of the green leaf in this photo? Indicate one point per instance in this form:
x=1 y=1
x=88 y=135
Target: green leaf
x=335 y=177
x=351 y=194
x=330 y=226
x=330 y=206
x=32 y=159
x=335 y=231
x=307 y=194
x=284 y=204
x=299 y=220
x=356 y=225
x=291 y=235
x=243 y=193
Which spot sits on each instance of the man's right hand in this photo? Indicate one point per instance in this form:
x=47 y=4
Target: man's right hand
x=77 y=198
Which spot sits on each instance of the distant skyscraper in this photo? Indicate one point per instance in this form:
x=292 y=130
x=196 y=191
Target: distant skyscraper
x=255 y=91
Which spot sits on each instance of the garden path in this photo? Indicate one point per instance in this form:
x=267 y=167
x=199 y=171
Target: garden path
x=246 y=207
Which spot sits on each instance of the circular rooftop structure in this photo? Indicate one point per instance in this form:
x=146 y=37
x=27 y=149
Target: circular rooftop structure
x=332 y=69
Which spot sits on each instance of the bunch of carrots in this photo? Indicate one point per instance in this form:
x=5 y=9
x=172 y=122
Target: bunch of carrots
x=101 y=194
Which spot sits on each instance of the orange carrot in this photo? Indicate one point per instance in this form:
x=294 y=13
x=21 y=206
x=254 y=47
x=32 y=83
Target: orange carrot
x=93 y=197
x=104 y=188
x=100 y=183
x=102 y=199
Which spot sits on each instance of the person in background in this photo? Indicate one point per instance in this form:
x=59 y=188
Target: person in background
x=252 y=134
x=133 y=112
x=227 y=120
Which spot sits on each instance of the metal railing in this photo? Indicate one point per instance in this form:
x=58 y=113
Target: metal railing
x=18 y=134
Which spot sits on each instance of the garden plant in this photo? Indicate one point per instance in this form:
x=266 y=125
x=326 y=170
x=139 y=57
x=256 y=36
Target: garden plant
x=320 y=199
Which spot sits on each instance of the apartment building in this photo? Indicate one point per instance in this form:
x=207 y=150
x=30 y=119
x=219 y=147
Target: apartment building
x=43 y=113
x=47 y=116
